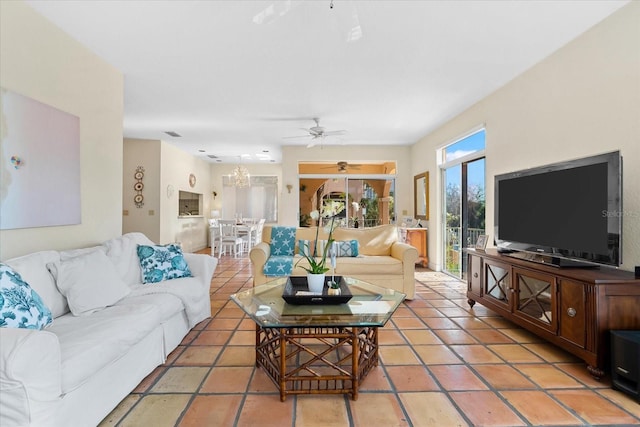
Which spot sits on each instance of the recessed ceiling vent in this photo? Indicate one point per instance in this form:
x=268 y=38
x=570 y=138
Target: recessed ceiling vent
x=212 y=156
x=173 y=134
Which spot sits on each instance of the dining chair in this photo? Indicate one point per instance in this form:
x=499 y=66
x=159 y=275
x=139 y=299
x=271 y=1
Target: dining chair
x=230 y=238
x=248 y=230
x=214 y=237
x=257 y=234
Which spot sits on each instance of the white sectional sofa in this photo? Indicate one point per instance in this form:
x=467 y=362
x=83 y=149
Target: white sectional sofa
x=76 y=370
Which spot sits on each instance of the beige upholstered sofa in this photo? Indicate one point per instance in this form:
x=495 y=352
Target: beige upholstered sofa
x=382 y=260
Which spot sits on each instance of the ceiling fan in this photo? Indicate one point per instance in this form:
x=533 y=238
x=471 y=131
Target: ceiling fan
x=343 y=167
x=317 y=133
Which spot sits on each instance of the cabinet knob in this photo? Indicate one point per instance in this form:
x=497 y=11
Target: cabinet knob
x=475 y=275
x=571 y=312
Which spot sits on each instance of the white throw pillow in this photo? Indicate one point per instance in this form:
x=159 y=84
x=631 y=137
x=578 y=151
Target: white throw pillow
x=89 y=281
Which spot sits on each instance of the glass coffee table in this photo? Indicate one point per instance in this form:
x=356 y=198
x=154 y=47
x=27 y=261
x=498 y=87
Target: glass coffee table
x=318 y=348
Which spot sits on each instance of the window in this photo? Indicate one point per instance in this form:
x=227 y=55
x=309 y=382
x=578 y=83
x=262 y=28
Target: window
x=367 y=191
x=189 y=204
x=259 y=200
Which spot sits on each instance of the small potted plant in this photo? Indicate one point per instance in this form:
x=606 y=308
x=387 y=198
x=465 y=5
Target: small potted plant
x=334 y=288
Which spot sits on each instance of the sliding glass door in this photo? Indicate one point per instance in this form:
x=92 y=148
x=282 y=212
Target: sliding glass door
x=464 y=200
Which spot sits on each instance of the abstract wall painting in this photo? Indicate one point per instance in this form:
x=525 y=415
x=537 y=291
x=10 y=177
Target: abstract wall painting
x=39 y=164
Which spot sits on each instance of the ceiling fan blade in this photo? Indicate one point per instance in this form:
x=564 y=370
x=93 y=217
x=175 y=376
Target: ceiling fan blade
x=335 y=132
x=298 y=137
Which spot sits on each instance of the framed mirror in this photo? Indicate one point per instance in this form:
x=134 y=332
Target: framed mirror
x=421 y=196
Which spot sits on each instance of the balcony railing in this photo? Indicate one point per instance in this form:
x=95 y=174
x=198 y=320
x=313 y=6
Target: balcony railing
x=453 y=236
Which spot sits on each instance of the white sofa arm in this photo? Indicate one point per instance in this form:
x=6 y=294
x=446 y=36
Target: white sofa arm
x=259 y=255
x=202 y=266
x=30 y=376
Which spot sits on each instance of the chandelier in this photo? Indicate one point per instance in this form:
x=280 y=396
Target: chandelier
x=240 y=176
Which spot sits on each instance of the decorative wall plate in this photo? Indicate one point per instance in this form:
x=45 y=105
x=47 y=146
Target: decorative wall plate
x=192 y=180
x=138 y=187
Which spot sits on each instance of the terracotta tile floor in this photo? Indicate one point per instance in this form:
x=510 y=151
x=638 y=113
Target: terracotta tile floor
x=441 y=364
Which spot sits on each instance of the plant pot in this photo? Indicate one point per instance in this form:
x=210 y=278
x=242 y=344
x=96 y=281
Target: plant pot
x=334 y=291
x=315 y=282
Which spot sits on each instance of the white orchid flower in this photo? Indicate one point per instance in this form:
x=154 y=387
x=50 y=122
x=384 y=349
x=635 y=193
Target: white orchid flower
x=332 y=208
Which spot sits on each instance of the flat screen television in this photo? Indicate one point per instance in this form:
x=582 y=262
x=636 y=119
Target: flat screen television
x=565 y=214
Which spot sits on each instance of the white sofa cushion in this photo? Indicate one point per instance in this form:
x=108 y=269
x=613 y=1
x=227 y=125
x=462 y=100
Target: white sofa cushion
x=189 y=290
x=89 y=281
x=122 y=251
x=89 y=343
x=168 y=305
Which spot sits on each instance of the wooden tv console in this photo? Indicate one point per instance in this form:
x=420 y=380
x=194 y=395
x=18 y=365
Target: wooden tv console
x=573 y=308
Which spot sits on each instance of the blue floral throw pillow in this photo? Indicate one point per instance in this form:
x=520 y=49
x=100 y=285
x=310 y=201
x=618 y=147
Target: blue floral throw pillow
x=20 y=306
x=160 y=263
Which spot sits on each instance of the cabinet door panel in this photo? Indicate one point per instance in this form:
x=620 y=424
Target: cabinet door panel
x=496 y=283
x=572 y=312
x=536 y=297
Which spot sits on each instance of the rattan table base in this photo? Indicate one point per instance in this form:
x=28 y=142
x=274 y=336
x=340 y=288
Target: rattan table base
x=317 y=360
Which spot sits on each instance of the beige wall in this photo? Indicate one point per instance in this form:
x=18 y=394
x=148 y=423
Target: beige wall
x=165 y=165
x=580 y=101
x=176 y=166
x=42 y=62
x=146 y=219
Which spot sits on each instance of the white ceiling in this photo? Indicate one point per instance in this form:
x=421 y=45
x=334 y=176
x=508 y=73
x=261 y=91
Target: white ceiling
x=231 y=86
